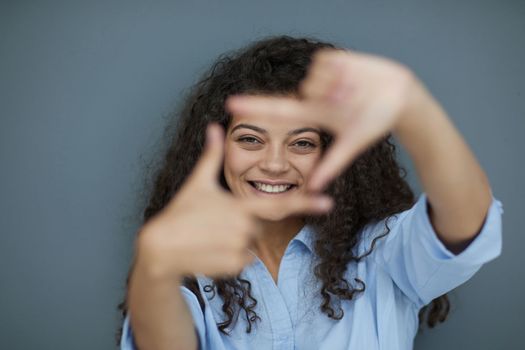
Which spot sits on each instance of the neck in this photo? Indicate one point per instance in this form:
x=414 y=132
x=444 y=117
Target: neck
x=275 y=237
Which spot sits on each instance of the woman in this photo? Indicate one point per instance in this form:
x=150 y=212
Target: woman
x=241 y=247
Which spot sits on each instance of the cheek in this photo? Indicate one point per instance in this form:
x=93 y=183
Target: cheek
x=236 y=162
x=307 y=164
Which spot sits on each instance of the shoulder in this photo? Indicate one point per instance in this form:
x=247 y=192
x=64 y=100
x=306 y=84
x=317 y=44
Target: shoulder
x=375 y=232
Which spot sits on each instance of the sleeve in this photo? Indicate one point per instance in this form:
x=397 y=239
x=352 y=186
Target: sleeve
x=127 y=341
x=420 y=264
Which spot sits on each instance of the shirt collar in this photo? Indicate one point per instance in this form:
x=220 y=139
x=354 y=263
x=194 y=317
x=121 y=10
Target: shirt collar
x=306 y=236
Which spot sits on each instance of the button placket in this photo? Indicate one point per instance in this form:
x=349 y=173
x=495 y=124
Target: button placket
x=276 y=308
x=288 y=284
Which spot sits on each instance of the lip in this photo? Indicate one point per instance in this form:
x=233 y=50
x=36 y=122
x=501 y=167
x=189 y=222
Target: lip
x=274 y=182
x=269 y=194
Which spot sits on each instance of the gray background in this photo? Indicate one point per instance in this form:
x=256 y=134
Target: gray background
x=85 y=90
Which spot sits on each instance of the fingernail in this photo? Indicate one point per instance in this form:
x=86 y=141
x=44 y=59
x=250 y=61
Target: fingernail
x=326 y=203
x=337 y=95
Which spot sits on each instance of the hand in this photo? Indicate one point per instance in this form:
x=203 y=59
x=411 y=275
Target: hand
x=357 y=97
x=204 y=229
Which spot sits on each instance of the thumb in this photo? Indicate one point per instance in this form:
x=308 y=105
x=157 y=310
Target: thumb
x=210 y=162
x=294 y=205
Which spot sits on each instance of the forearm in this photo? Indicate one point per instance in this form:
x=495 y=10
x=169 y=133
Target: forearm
x=457 y=188
x=160 y=317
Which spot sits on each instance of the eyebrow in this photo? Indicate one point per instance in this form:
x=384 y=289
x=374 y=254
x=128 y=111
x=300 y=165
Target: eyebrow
x=262 y=131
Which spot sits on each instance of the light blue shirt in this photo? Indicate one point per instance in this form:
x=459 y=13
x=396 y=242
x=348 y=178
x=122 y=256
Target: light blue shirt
x=406 y=270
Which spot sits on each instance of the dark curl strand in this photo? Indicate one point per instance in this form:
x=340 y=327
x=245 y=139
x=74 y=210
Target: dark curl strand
x=371 y=189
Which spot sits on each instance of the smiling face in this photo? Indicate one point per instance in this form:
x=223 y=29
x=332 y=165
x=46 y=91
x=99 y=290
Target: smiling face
x=268 y=159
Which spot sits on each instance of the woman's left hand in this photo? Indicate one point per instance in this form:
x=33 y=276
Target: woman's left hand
x=357 y=97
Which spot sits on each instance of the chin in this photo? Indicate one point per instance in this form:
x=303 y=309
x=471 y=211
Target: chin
x=276 y=217
x=272 y=217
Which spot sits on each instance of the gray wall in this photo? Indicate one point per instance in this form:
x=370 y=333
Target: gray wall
x=84 y=93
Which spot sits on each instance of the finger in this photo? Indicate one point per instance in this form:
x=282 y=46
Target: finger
x=329 y=56
x=335 y=91
x=317 y=82
x=317 y=88
x=339 y=64
x=341 y=89
x=210 y=162
x=296 y=204
x=327 y=81
x=337 y=158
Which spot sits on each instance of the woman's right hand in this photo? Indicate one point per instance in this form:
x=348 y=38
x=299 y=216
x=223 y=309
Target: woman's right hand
x=206 y=230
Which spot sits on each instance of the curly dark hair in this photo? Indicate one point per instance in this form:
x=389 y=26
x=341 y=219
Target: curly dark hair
x=275 y=66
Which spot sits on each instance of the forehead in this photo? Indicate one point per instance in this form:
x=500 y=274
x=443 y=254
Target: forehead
x=270 y=125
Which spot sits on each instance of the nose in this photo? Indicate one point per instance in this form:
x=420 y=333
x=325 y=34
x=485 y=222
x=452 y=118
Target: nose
x=275 y=161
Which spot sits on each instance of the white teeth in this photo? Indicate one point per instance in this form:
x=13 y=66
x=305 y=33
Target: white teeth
x=271 y=189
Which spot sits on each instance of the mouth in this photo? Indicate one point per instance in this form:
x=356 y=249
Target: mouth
x=272 y=189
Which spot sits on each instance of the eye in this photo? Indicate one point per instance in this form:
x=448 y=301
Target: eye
x=305 y=144
x=249 y=140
